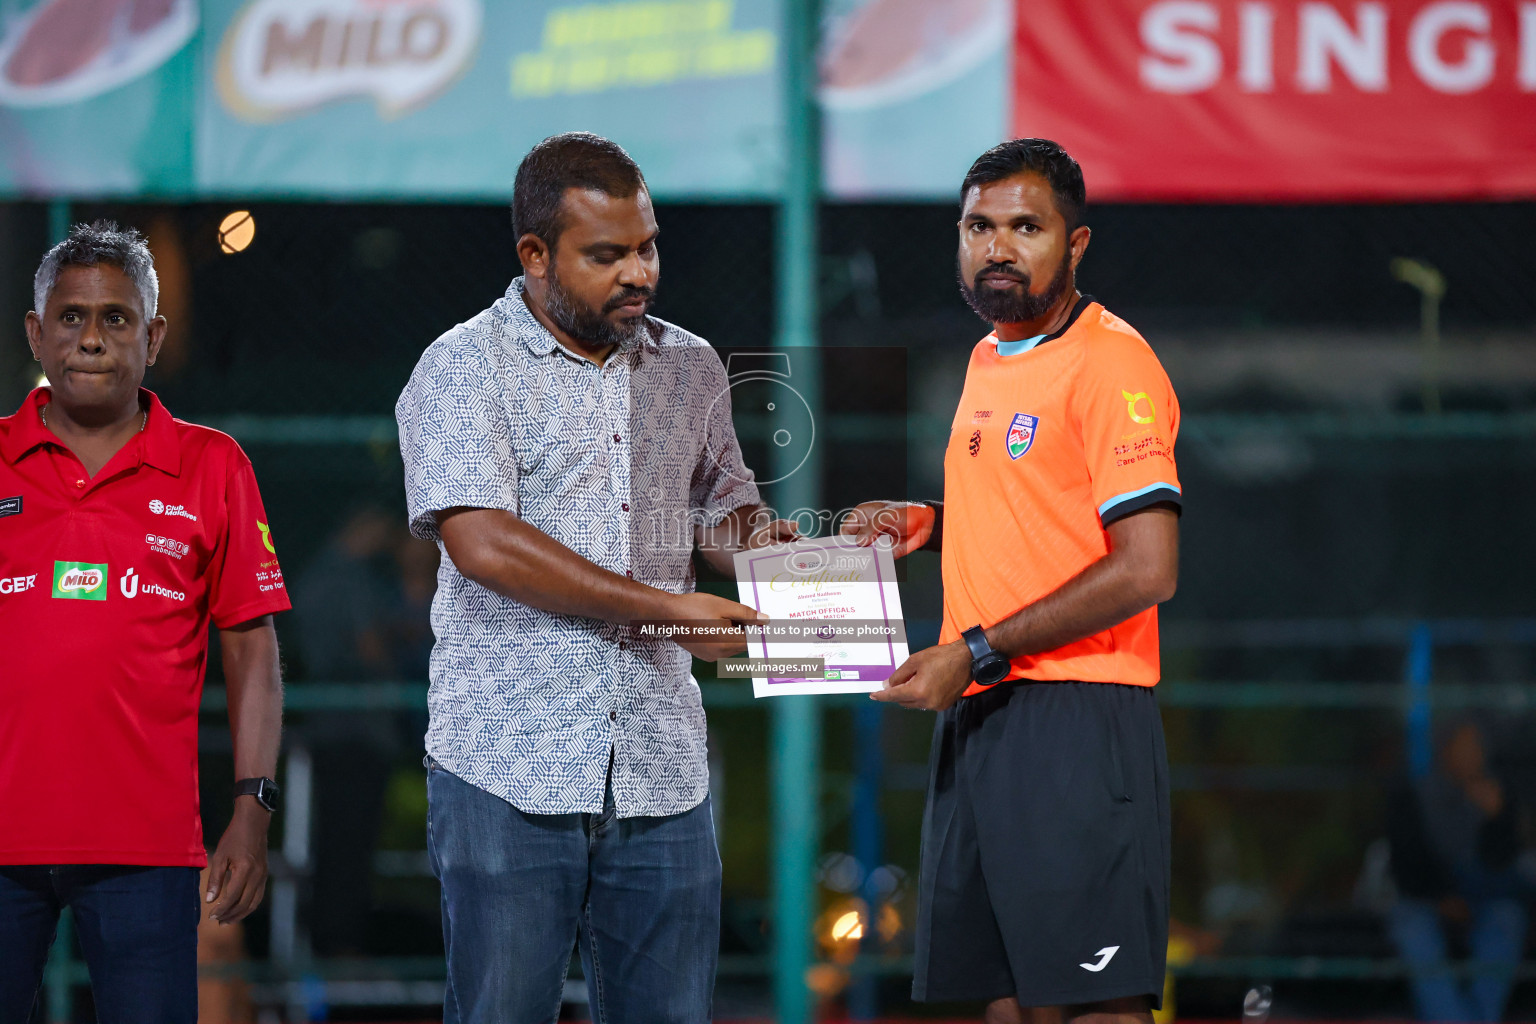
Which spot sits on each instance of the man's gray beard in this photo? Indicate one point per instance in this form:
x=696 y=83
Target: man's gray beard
x=1011 y=308
x=584 y=323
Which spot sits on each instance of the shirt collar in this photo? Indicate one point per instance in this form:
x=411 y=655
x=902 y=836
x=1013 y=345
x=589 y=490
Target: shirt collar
x=1013 y=348
x=160 y=443
x=523 y=324
x=27 y=430
x=540 y=342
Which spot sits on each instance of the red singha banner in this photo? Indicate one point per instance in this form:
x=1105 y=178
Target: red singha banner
x=1284 y=99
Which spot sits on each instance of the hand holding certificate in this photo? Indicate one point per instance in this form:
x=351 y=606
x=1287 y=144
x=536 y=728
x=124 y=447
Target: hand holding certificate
x=833 y=608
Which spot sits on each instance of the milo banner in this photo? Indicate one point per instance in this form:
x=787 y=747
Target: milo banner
x=444 y=96
x=440 y=98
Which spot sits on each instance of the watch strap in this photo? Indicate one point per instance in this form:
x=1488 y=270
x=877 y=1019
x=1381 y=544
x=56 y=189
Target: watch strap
x=976 y=640
x=988 y=665
x=265 y=791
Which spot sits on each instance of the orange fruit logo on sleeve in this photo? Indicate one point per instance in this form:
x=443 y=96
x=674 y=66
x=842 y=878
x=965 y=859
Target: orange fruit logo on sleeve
x=1130 y=407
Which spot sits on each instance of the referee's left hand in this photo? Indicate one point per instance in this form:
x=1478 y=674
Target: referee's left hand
x=930 y=680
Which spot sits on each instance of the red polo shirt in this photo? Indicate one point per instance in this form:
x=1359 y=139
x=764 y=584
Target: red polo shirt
x=107 y=584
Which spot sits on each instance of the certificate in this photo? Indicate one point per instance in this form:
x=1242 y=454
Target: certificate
x=826 y=599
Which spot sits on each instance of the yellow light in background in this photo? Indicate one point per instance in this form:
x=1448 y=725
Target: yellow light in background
x=236 y=231
x=839 y=930
x=826 y=980
x=848 y=926
x=42 y=381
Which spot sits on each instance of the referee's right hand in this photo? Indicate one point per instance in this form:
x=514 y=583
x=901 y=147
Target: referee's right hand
x=909 y=524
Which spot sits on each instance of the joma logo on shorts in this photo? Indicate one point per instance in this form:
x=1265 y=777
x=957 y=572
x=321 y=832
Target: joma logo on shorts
x=1105 y=955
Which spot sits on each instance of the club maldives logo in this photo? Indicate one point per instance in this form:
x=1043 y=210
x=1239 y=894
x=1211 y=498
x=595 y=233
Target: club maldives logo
x=284 y=57
x=80 y=581
x=1021 y=433
x=160 y=508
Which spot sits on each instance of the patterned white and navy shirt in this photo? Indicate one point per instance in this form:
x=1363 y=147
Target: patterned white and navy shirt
x=617 y=462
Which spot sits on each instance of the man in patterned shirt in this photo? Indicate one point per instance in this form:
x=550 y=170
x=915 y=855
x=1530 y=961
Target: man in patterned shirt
x=568 y=452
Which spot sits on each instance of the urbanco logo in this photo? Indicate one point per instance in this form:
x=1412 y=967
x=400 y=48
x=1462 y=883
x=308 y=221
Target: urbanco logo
x=128 y=584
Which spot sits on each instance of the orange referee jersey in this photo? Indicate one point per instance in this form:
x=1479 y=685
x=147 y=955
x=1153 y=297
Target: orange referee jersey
x=1055 y=438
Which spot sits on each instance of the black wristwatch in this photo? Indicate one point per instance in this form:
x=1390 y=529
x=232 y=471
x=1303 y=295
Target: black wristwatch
x=987 y=666
x=264 y=790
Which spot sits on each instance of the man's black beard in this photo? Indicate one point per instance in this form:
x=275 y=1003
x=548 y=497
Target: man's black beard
x=592 y=326
x=1013 y=307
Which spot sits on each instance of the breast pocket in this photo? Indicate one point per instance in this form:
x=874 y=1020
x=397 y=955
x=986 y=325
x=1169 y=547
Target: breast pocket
x=568 y=467
x=564 y=492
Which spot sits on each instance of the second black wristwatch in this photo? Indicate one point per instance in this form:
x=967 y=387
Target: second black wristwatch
x=264 y=790
x=987 y=666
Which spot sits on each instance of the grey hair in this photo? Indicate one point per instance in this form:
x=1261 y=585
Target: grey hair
x=92 y=244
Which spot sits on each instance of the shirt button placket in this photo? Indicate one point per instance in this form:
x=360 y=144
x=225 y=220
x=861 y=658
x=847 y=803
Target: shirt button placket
x=615 y=408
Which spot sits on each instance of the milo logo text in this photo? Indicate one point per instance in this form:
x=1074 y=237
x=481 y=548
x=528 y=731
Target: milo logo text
x=80 y=581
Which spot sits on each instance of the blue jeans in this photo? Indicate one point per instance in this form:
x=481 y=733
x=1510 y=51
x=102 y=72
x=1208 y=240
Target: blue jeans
x=640 y=896
x=1496 y=940
x=137 y=929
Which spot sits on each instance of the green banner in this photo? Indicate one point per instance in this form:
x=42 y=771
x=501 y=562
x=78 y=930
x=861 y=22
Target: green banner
x=392 y=99
x=97 y=101
x=444 y=98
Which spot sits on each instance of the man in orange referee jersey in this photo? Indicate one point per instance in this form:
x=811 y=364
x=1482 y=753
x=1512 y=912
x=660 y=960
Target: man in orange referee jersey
x=1044 y=882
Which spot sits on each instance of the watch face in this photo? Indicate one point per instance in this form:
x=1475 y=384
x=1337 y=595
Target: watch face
x=992 y=670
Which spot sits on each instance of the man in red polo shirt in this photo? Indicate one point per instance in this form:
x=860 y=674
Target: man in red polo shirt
x=122 y=532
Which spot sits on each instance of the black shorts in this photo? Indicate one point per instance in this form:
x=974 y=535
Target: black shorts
x=1045 y=848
